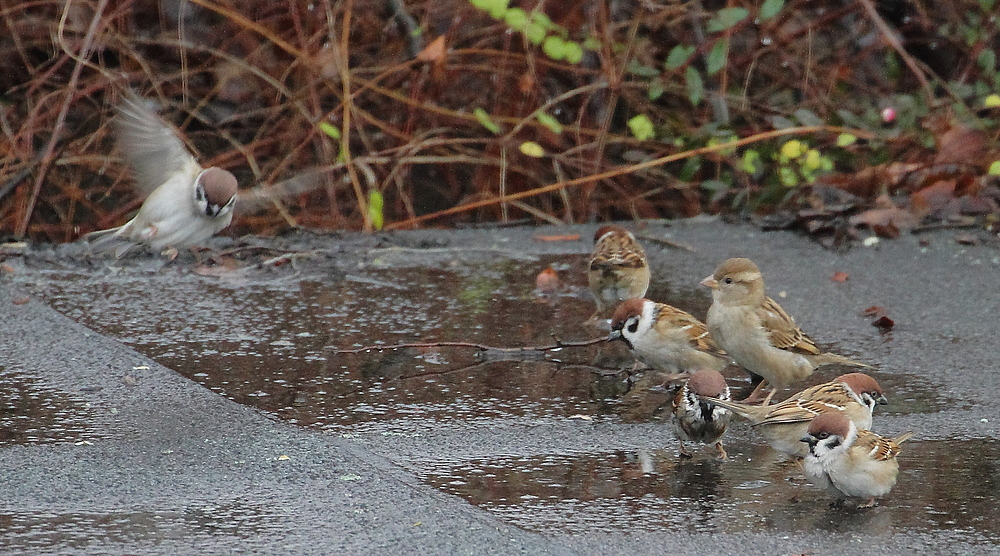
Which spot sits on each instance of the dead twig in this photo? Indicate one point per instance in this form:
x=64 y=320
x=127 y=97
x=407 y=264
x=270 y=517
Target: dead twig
x=559 y=344
x=667 y=242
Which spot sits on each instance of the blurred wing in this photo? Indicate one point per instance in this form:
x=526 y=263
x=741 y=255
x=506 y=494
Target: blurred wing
x=257 y=199
x=150 y=145
x=783 y=331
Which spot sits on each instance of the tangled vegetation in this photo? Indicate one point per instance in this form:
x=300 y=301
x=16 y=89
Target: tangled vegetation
x=829 y=115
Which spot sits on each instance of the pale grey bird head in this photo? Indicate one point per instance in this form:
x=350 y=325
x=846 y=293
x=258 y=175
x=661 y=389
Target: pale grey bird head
x=215 y=192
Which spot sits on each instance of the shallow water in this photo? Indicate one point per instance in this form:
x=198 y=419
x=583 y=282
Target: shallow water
x=270 y=341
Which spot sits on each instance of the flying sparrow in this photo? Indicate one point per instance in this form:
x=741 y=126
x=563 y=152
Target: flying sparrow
x=618 y=268
x=783 y=425
x=850 y=461
x=186 y=204
x=697 y=419
x=756 y=332
x=665 y=337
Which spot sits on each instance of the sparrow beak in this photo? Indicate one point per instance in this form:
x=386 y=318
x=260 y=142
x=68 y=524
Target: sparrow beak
x=882 y=400
x=710 y=282
x=808 y=439
x=615 y=335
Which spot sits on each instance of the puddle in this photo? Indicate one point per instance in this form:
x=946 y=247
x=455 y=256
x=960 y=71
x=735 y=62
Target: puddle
x=33 y=413
x=942 y=485
x=269 y=343
x=89 y=530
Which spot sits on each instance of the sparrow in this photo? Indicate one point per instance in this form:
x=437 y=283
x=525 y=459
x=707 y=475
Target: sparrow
x=850 y=461
x=665 y=338
x=783 y=425
x=618 y=268
x=694 y=417
x=186 y=203
x=757 y=333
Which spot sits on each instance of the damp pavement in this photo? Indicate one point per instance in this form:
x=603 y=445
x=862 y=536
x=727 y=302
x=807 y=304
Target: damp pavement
x=154 y=407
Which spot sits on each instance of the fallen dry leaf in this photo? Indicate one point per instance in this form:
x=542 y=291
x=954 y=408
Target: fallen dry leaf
x=966 y=239
x=547 y=282
x=433 y=52
x=840 y=276
x=21 y=300
x=883 y=323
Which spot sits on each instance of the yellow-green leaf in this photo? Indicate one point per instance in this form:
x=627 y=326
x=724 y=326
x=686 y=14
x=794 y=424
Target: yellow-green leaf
x=995 y=168
x=376 y=204
x=548 y=121
x=330 y=130
x=845 y=139
x=992 y=101
x=533 y=149
x=485 y=121
x=641 y=127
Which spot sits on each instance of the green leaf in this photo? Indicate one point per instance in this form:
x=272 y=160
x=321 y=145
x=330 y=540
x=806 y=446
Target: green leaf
x=496 y=8
x=780 y=122
x=635 y=68
x=807 y=117
x=376 y=205
x=994 y=168
x=717 y=57
x=330 y=130
x=679 y=55
x=641 y=127
x=769 y=9
x=695 y=86
x=534 y=32
x=516 y=19
x=591 y=43
x=548 y=121
x=485 y=121
x=574 y=52
x=751 y=162
x=992 y=101
x=726 y=18
x=845 y=139
x=987 y=5
x=987 y=60
x=655 y=89
x=554 y=47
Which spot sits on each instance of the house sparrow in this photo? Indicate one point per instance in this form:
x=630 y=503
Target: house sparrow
x=665 y=337
x=695 y=418
x=186 y=203
x=783 y=425
x=850 y=461
x=618 y=268
x=754 y=330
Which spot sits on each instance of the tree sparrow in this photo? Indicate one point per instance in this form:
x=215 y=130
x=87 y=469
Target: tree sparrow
x=756 y=332
x=665 y=337
x=697 y=419
x=783 y=425
x=618 y=268
x=186 y=203
x=850 y=461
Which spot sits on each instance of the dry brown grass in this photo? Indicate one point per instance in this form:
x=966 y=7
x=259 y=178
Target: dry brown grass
x=248 y=82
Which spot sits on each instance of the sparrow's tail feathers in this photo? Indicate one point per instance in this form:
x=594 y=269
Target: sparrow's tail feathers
x=903 y=437
x=834 y=359
x=736 y=408
x=103 y=241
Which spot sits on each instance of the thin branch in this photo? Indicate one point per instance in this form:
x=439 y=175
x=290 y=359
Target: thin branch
x=559 y=344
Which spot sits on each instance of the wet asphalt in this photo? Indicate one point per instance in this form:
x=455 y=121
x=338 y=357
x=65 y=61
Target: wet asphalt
x=169 y=467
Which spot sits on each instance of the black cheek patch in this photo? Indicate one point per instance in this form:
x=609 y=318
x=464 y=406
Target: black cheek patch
x=834 y=443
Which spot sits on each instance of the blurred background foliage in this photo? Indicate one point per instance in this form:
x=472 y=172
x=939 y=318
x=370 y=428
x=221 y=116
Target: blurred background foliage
x=826 y=115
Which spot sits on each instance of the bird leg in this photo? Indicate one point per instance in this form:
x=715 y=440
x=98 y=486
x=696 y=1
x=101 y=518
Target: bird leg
x=767 y=400
x=684 y=453
x=755 y=395
x=869 y=504
x=722 y=455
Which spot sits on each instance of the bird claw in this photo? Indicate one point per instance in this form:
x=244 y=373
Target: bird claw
x=721 y=455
